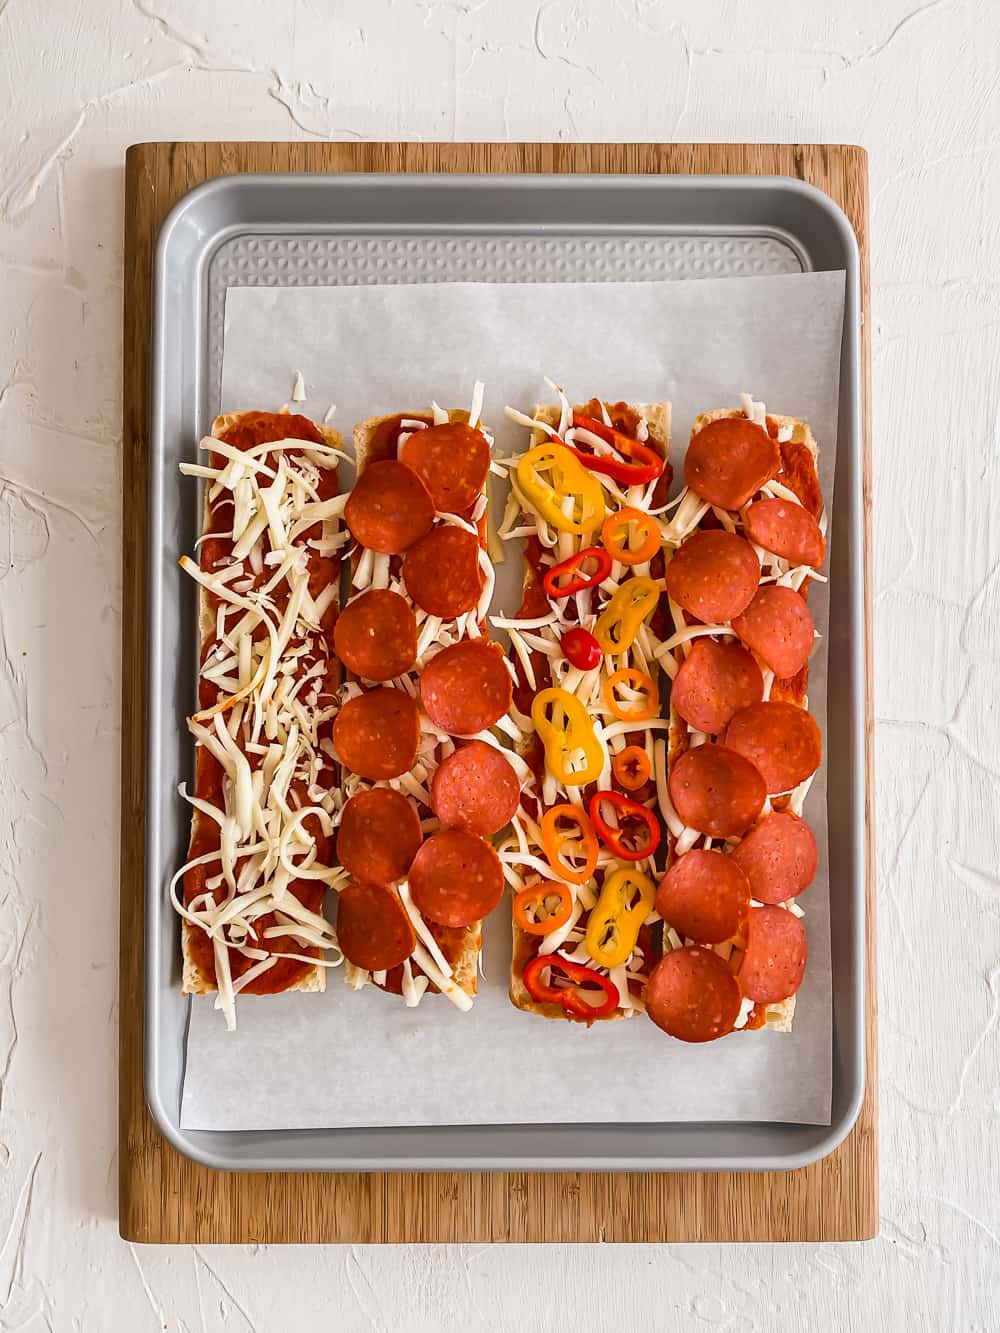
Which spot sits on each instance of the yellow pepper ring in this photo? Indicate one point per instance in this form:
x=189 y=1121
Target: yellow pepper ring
x=548 y=475
x=567 y=732
x=613 y=926
x=619 y=622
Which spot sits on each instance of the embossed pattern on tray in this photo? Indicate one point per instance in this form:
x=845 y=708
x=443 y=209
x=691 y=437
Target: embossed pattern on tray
x=285 y=260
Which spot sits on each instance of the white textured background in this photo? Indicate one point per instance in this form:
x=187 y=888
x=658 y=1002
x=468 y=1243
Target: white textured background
x=919 y=86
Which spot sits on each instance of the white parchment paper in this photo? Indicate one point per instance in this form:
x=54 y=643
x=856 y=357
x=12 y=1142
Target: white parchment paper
x=346 y=1059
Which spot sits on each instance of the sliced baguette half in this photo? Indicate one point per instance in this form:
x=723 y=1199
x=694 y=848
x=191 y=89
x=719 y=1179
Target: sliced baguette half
x=657 y=417
x=367 y=449
x=195 y=980
x=779 y=1016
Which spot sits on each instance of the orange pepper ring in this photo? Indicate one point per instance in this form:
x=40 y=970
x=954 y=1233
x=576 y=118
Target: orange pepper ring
x=622 y=765
x=553 y=838
x=615 y=546
x=534 y=895
x=642 y=681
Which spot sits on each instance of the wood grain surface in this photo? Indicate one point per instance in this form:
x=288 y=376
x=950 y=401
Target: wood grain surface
x=165 y=1198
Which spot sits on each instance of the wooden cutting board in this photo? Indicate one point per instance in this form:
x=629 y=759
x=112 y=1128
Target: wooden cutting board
x=162 y=1196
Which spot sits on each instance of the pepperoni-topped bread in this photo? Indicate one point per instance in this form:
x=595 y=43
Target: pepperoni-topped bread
x=742 y=749
x=263 y=802
x=581 y=866
x=424 y=687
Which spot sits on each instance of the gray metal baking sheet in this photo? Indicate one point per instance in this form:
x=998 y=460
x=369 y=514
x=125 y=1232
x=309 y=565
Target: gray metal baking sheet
x=313 y=230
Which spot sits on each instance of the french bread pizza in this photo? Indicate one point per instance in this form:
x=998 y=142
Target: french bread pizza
x=260 y=857
x=581 y=856
x=747 y=537
x=427 y=783
x=635 y=767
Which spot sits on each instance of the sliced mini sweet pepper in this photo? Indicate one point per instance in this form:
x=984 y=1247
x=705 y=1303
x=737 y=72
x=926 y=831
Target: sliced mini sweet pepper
x=631 y=767
x=584 y=981
x=560 y=489
x=625 y=902
x=573 y=754
x=619 y=622
x=580 y=834
x=639 y=681
x=532 y=910
x=616 y=534
x=638 y=462
x=622 y=839
x=581 y=649
x=569 y=576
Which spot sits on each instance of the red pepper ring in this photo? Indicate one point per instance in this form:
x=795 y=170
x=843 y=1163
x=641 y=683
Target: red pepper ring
x=583 y=979
x=629 y=813
x=645 y=463
x=577 y=580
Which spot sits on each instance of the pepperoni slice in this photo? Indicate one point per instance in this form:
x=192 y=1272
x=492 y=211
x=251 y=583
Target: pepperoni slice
x=787 y=529
x=389 y=508
x=715 y=681
x=376 y=635
x=692 y=995
x=253 y=428
x=378 y=836
x=729 y=460
x=376 y=733
x=775 y=958
x=779 y=857
x=779 y=626
x=373 y=929
x=798 y=473
x=475 y=789
x=455 y=878
x=713 y=575
x=781 y=740
x=442 y=572
x=453 y=461
x=716 y=791
x=466 y=688
x=705 y=896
